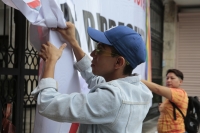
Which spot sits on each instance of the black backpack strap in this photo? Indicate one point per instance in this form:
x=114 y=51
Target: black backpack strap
x=174 y=110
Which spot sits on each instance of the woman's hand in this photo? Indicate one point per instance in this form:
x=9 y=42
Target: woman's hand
x=49 y=52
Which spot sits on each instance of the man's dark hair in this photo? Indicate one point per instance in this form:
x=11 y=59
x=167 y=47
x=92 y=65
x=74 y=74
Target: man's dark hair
x=177 y=72
x=127 y=69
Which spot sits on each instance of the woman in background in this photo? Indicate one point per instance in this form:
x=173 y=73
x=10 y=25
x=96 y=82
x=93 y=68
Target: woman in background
x=173 y=93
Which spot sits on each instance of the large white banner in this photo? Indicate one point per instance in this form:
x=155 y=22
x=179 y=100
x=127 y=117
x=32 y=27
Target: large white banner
x=104 y=14
x=99 y=14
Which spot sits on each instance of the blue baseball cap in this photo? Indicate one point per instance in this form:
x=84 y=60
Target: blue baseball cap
x=125 y=40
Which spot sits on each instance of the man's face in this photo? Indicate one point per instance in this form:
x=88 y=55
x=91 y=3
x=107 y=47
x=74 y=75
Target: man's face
x=103 y=63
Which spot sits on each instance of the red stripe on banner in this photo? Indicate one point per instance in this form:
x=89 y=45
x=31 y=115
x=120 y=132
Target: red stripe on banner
x=74 y=128
x=34 y=4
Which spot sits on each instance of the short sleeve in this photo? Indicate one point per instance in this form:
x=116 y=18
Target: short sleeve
x=179 y=97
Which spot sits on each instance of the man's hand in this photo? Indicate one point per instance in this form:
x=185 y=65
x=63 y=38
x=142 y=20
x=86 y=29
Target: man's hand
x=49 y=52
x=68 y=33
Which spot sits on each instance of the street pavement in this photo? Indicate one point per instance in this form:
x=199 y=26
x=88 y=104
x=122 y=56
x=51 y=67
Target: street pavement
x=150 y=126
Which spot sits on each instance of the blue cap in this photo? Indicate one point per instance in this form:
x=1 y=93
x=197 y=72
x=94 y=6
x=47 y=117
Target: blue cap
x=125 y=40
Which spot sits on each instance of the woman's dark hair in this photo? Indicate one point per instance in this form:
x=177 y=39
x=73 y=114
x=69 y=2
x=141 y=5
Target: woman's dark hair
x=128 y=68
x=177 y=72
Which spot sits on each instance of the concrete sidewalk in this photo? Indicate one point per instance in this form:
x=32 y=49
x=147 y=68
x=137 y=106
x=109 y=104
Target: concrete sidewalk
x=150 y=126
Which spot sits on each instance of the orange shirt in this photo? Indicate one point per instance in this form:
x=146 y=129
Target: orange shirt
x=166 y=122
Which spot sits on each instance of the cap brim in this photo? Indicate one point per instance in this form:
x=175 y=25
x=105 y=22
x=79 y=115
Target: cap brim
x=97 y=36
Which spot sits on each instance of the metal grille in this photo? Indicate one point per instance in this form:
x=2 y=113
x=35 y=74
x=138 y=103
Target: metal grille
x=18 y=68
x=187 y=51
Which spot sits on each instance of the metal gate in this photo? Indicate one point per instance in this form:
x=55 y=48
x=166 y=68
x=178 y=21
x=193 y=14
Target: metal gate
x=18 y=69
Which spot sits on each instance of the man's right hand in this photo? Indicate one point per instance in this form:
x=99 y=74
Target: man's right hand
x=68 y=33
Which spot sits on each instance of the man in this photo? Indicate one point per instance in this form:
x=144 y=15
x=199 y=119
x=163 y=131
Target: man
x=118 y=102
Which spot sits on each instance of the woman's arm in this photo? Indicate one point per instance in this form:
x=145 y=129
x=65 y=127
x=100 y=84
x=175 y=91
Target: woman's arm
x=158 y=89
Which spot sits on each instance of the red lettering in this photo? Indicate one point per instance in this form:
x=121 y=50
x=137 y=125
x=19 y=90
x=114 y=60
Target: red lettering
x=141 y=3
x=138 y=2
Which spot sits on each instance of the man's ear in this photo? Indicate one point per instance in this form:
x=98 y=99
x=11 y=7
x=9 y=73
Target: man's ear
x=120 y=62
